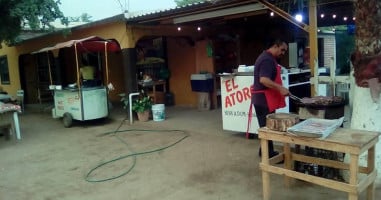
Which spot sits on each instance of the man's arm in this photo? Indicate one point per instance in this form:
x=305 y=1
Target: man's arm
x=271 y=84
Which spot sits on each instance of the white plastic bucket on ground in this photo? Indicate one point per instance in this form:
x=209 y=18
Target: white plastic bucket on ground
x=158 y=112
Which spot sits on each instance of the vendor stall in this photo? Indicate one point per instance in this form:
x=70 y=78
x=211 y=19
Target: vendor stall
x=85 y=99
x=236 y=98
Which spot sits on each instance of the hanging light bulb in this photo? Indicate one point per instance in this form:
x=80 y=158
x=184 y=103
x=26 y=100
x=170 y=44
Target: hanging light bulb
x=345 y=18
x=198 y=28
x=322 y=15
x=179 y=28
x=299 y=17
x=334 y=16
x=272 y=14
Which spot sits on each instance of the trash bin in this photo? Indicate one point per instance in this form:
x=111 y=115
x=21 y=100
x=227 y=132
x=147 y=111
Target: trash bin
x=202 y=82
x=169 y=99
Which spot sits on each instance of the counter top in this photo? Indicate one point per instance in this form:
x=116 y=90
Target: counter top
x=235 y=74
x=251 y=73
x=73 y=89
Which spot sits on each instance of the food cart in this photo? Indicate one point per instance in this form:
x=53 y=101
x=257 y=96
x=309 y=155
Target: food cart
x=77 y=101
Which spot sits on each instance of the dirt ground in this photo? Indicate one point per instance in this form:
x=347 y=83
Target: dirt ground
x=207 y=163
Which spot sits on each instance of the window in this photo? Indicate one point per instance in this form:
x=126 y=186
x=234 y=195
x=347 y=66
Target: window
x=4 y=71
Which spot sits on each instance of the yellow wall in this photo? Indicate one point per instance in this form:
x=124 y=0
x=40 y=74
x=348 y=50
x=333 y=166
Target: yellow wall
x=181 y=63
x=204 y=63
x=12 y=58
x=116 y=30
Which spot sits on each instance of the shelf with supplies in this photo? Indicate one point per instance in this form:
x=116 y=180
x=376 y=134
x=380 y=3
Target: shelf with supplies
x=151 y=69
x=155 y=89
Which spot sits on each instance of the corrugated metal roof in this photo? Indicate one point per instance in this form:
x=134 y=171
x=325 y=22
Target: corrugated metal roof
x=152 y=17
x=138 y=14
x=182 y=10
x=341 y=7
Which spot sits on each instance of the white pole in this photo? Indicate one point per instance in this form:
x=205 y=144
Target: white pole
x=130 y=102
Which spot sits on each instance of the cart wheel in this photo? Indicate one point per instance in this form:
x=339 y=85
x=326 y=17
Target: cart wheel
x=67 y=120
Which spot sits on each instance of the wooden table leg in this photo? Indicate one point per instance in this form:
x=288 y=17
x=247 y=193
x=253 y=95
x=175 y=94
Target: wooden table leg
x=265 y=174
x=287 y=162
x=17 y=125
x=353 y=171
x=371 y=162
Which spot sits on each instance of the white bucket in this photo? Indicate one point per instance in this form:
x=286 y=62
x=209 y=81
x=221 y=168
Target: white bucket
x=158 y=112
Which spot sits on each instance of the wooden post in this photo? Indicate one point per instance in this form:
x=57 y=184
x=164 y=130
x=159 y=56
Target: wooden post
x=353 y=168
x=371 y=164
x=265 y=174
x=287 y=162
x=313 y=43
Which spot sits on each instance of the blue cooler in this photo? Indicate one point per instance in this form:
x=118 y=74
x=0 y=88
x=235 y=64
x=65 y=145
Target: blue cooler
x=202 y=82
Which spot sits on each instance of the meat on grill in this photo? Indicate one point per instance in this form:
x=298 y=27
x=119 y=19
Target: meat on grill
x=322 y=100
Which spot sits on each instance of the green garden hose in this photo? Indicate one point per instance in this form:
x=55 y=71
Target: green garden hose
x=133 y=154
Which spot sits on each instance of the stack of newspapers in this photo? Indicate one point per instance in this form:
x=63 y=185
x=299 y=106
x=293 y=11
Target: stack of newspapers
x=316 y=127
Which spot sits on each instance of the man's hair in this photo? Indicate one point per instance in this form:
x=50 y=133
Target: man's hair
x=278 y=42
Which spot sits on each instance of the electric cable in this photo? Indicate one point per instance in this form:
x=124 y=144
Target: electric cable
x=133 y=154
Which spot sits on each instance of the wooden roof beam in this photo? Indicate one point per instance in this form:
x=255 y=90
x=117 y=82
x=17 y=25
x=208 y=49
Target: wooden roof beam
x=284 y=15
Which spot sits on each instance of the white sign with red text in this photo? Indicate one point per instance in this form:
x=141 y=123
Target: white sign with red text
x=236 y=102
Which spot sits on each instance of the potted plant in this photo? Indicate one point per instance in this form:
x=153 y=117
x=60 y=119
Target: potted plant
x=124 y=100
x=142 y=106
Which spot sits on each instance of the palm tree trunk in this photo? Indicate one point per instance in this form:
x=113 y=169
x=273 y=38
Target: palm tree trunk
x=366 y=112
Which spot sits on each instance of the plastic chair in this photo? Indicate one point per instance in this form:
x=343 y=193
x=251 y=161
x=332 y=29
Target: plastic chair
x=20 y=98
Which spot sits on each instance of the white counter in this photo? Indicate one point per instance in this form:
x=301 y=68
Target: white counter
x=236 y=102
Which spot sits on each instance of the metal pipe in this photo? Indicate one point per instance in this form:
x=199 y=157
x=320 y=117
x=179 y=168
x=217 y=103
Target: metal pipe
x=50 y=69
x=130 y=102
x=106 y=63
x=77 y=65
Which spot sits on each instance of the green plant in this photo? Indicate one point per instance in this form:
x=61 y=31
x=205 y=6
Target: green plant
x=142 y=103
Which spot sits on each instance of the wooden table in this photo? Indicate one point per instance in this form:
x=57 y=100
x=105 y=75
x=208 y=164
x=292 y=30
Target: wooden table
x=9 y=118
x=349 y=141
x=157 y=96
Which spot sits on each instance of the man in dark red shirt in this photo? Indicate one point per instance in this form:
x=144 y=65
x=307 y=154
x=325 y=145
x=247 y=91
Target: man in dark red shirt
x=268 y=92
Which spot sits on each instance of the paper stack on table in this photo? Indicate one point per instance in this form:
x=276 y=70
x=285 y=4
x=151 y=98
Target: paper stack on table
x=316 y=127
